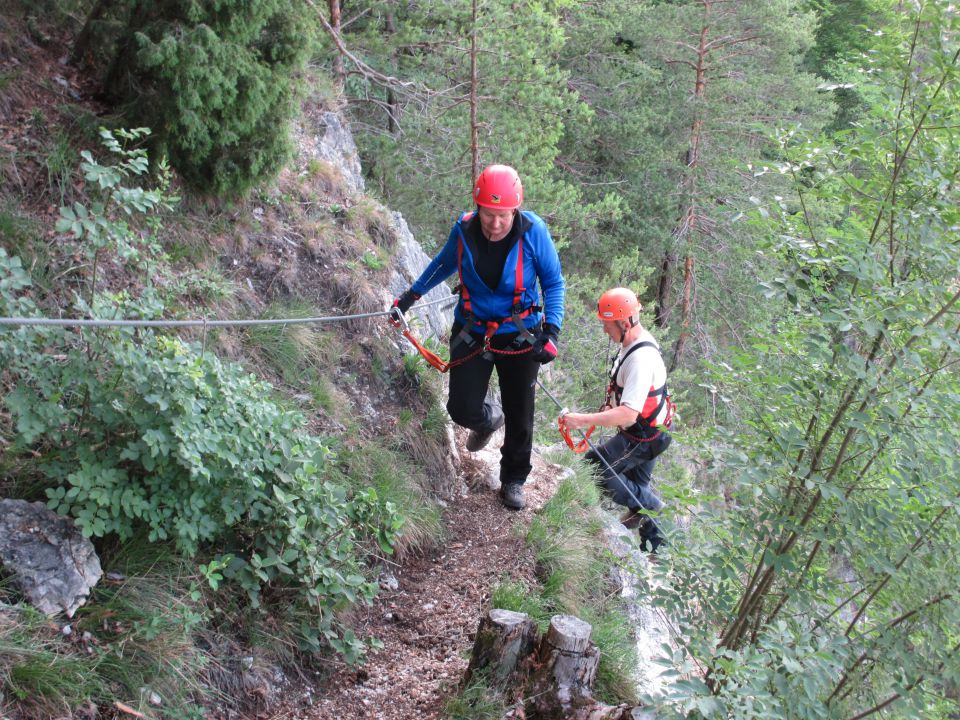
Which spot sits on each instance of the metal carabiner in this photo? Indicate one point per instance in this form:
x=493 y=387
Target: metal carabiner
x=398 y=320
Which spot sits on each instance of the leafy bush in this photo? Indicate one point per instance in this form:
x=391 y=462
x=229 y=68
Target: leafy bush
x=217 y=80
x=136 y=429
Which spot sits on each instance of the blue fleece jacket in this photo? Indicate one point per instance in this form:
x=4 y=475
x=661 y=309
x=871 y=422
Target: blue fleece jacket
x=541 y=264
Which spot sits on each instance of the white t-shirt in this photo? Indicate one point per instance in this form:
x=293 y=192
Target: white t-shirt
x=641 y=372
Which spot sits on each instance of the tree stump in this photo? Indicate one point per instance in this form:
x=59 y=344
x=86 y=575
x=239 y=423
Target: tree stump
x=565 y=667
x=552 y=679
x=504 y=638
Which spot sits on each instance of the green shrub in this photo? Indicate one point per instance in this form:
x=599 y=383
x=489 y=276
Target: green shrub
x=153 y=432
x=136 y=429
x=216 y=80
x=23 y=237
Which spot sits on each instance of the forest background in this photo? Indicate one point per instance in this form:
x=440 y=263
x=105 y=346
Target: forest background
x=777 y=180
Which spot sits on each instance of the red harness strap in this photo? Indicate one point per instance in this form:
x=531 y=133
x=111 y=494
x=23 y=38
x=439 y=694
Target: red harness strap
x=435 y=360
x=491 y=326
x=576 y=447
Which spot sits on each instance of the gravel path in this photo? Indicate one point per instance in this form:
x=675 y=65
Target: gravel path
x=427 y=623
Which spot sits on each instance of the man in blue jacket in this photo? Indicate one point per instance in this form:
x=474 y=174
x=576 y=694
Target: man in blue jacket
x=502 y=254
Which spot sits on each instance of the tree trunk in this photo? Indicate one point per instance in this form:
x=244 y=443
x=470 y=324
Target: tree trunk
x=689 y=216
x=83 y=39
x=393 y=105
x=339 y=75
x=661 y=316
x=684 y=313
x=552 y=678
x=474 y=129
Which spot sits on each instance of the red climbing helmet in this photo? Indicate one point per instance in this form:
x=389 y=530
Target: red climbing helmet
x=498 y=187
x=619 y=304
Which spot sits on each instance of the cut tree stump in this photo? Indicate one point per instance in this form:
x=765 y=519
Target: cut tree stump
x=552 y=678
x=567 y=661
x=504 y=638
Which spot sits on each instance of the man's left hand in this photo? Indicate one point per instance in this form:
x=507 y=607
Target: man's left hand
x=545 y=346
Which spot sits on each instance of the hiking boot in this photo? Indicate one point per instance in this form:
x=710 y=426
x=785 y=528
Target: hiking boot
x=632 y=519
x=478 y=439
x=511 y=495
x=651 y=537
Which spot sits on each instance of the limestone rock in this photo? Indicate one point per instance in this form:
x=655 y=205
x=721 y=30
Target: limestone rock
x=49 y=558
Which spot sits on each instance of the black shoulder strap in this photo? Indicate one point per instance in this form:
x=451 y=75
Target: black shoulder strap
x=618 y=365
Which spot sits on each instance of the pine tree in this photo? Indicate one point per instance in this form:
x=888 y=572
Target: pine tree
x=686 y=94
x=215 y=81
x=425 y=143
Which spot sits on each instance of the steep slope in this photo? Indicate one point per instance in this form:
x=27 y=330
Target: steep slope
x=310 y=244
x=427 y=612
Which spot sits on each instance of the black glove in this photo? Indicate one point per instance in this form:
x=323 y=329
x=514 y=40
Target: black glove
x=402 y=304
x=545 y=347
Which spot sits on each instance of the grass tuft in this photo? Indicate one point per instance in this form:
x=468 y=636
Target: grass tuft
x=398 y=481
x=137 y=635
x=575 y=567
x=476 y=702
x=371 y=219
x=297 y=351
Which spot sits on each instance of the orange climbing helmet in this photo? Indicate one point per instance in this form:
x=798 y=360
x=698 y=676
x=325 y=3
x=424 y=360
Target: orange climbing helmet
x=498 y=187
x=619 y=304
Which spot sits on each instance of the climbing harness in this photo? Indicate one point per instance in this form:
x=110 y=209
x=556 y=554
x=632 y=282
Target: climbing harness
x=524 y=342
x=399 y=321
x=517 y=314
x=638 y=432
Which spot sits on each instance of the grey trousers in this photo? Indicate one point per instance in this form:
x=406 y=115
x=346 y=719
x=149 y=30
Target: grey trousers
x=633 y=463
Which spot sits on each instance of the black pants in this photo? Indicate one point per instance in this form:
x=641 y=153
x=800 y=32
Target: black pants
x=468 y=407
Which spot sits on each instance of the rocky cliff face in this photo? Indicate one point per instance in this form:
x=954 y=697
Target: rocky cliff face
x=322 y=134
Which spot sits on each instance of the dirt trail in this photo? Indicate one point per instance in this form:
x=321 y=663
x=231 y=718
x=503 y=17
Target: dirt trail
x=427 y=623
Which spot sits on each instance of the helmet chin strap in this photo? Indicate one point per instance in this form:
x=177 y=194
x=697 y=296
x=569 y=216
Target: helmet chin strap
x=627 y=327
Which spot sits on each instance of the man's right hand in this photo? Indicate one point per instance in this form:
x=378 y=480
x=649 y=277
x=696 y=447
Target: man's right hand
x=403 y=303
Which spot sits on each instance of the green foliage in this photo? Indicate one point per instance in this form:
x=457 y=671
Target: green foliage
x=416 y=144
x=104 y=224
x=411 y=522
x=138 y=430
x=219 y=80
x=42 y=676
x=683 y=150
x=844 y=36
x=195 y=450
x=827 y=587
x=22 y=238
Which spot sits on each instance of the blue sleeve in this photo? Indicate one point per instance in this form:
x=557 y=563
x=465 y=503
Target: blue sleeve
x=440 y=268
x=554 y=287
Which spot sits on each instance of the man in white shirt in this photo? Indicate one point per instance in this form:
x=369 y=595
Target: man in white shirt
x=639 y=405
